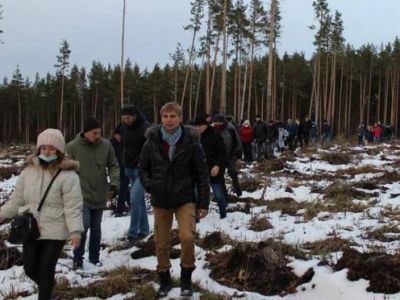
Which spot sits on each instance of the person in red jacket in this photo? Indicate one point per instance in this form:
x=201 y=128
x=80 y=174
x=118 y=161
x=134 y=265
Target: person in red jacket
x=377 y=133
x=246 y=136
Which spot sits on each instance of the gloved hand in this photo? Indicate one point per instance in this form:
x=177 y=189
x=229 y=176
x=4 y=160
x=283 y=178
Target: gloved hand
x=113 y=192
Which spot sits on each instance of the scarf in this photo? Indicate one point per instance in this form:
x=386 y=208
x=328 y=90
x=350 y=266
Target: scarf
x=171 y=139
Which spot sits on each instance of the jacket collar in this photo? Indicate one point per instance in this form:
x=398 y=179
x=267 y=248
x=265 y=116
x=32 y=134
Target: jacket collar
x=66 y=164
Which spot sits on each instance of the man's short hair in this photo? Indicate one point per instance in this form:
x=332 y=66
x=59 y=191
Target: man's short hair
x=174 y=106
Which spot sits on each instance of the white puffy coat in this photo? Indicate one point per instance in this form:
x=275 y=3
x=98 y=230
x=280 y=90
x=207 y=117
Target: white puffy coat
x=61 y=215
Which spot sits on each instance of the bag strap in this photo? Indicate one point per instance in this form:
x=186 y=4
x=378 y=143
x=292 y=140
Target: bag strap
x=47 y=190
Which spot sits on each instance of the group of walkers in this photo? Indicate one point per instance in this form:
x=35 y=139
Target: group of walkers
x=261 y=140
x=376 y=133
x=176 y=164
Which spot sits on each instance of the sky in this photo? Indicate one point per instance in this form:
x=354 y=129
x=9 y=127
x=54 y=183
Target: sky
x=33 y=30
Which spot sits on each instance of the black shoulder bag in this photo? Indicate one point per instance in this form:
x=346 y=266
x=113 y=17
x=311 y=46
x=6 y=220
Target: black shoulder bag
x=24 y=228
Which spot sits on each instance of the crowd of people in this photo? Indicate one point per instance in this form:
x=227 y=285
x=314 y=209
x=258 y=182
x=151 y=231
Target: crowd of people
x=176 y=164
x=376 y=133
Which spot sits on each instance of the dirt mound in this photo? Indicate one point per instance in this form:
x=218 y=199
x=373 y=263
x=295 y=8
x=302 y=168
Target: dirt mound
x=382 y=270
x=268 y=166
x=287 y=205
x=212 y=241
x=250 y=184
x=336 y=158
x=9 y=257
x=149 y=249
x=260 y=268
x=260 y=223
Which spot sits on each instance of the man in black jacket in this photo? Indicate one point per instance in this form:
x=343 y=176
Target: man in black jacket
x=171 y=165
x=260 y=136
x=215 y=152
x=133 y=130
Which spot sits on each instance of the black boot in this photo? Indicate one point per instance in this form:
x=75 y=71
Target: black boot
x=165 y=284
x=186 y=282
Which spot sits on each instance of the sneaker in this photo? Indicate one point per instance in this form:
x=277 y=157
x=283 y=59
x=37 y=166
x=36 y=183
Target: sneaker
x=77 y=265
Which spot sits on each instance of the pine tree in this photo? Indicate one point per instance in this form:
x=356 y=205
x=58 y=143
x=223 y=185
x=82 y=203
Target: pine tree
x=62 y=67
x=17 y=83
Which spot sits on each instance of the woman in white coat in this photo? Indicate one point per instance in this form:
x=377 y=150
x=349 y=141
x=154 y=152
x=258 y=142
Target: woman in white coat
x=60 y=218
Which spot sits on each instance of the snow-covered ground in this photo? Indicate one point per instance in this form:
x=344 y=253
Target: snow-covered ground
x=294 y=230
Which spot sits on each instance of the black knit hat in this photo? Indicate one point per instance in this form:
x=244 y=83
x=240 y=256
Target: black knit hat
x=90 y=124
x=129 y=110
x=200 y=120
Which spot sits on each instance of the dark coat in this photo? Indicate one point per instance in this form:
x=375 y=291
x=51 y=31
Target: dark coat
x=272 y=132
x=215 y=152
x=172 y=183
x=133 y=140
x=260 y=131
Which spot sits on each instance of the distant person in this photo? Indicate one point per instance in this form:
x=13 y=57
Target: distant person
x=260 y=131
x=233 y=147
x=314 y=133
x=133 y=139
x=361 y=134
x=96 y=157
x=326 y=133
x=307 y=131
x=123 y=201
x=246 y=138
x=171 y=165
x=299 y=139
x=292 y=130
x=272 y=136
x=283 y=135
x=60 y=218
x=215 y=153
x=377 y=133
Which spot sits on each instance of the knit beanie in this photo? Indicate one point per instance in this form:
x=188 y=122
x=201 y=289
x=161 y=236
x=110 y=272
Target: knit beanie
x=219 y=119
x=51 y=137
x=90 y=124
x=246 y=122
x=129 y=110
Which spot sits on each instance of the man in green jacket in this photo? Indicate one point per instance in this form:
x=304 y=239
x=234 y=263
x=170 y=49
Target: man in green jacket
x=97 y=163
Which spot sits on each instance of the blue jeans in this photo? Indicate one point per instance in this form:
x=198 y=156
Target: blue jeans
x=219 y=195
x=139 y=221
x=91 y=220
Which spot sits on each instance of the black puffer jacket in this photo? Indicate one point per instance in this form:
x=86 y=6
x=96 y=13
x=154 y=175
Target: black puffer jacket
x=133 y=140
x=171 y=183
x=214 y=149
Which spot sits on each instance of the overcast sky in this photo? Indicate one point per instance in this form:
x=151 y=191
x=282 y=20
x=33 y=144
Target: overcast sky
x=34 y=29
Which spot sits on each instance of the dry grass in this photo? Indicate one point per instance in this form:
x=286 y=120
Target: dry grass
x=268 y=166
x=383 y=233
x=336 y=158
x=326 y=246
x=351 y=172
x=119 y=281
x=260 y=223
x=215 y=240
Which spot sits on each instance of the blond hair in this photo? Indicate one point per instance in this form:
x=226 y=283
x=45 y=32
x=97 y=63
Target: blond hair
x=171 y=106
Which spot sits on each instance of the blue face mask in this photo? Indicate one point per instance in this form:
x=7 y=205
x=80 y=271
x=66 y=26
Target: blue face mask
x=48 y=159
